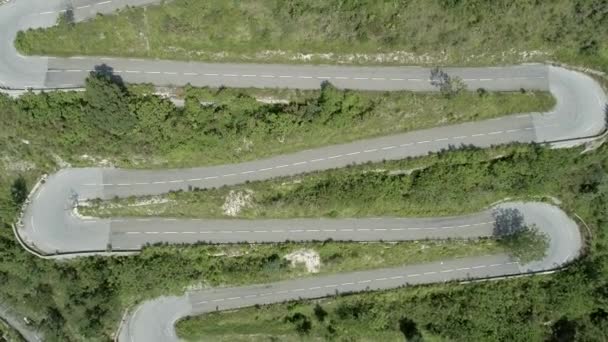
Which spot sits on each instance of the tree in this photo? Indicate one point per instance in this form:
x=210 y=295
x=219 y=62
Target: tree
x=301 y=321
x=152 y=113
x=564 y=330
x=320 y=313
x=107 y=106
x=448 y=85
x=330 y=101
x=19 y=191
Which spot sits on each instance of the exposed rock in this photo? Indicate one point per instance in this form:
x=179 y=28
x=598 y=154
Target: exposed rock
x=310 y=258
x=236 y=201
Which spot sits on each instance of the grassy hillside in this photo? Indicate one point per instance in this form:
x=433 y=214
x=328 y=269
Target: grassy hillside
x=464 y=32
x=38 y=130
x=58 y=295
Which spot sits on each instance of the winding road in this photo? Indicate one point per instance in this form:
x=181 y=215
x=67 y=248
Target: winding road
x=50 y=228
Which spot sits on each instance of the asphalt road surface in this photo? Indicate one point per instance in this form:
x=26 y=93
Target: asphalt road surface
x=50 y=226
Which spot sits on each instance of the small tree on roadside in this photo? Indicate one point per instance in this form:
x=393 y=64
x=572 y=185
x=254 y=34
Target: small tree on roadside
x=320 y=313
x=107 y=105
x=448 y=85
x=302 y=323
x=19 y=191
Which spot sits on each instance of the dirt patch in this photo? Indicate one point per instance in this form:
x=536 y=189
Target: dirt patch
x=245 y=147
x=554 y=200
x=310 y=258
x=10 y=164
x=271 y=100
x=139 y=203
x=76 y=213
x=594 y=145
x=236 y=201
x=394 y=57
x=149 y=201
x=98 y=161
x=60 y=162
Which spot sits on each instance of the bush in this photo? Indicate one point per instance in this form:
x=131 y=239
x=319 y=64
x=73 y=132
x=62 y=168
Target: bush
x=410 y=330
x=19 y=191
x=301 y=322
x=107 y=106
x=320 y=313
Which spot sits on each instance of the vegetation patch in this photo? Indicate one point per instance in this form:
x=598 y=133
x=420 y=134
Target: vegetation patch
x=427 y=32
x=132 y=127
x=470 y=179
x=56 y=295
x=422 y=313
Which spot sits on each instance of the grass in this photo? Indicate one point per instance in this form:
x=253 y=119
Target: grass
x=266 y=262
x=346 y=257
x=233 y=126
x=349 y=32
x=380 y=113
x=243 y=325
x=359 y=191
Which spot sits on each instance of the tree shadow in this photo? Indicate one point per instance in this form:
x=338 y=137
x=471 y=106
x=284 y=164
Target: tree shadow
x=461 y=147
x=68 y=17
x=19 y=191
x=508 y=221
x=106 y=71
x=438 y=78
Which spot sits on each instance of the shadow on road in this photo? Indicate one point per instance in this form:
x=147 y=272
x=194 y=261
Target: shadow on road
x=108 y=72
